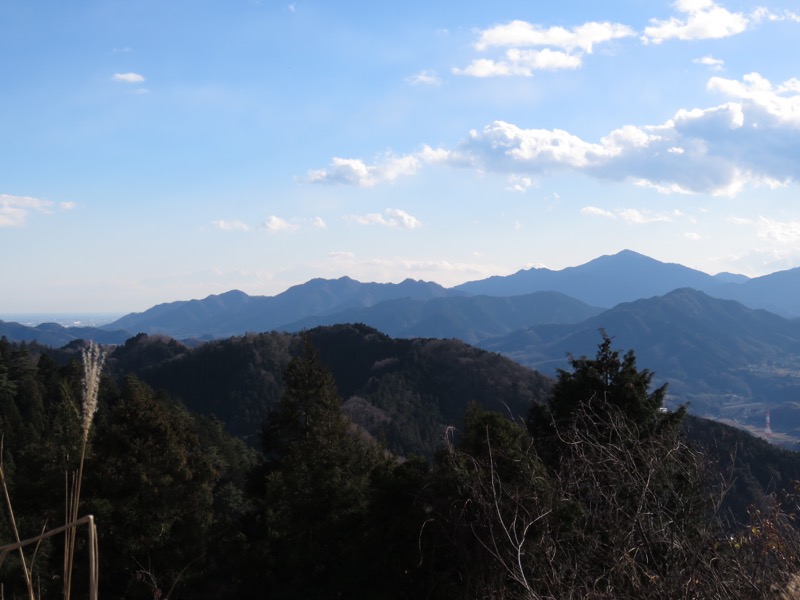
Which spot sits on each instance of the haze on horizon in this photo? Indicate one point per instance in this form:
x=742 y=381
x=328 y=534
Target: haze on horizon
x=154 y=152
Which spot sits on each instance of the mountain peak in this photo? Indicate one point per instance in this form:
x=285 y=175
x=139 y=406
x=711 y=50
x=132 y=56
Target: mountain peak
x=604 y=281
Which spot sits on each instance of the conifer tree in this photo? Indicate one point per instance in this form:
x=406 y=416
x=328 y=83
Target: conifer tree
x=317 y=485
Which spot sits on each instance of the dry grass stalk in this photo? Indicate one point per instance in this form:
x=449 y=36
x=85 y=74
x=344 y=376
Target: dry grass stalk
x=28 y=580
x=93 y=359
x=93 y=556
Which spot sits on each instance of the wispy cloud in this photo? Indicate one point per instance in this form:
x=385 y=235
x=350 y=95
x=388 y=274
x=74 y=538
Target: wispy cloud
x=15 y=210
x=715 y=64
x=776 y=244
x=319 y=223
x=780 y=232
x=633 y=216
x=425 y=77
x=128 y=77
x=231 y=225
x=520 y=183
x=595 y=211
x=275 y=224
x=391 y=217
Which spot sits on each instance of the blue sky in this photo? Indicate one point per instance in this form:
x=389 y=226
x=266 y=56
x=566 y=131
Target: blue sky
x=153 y=151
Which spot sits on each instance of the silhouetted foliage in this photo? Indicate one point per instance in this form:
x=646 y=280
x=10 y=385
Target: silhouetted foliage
x=597 y=494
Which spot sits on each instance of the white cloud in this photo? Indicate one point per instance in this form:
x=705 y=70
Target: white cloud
x=780 y=232
x=15 y=210
x=354 y=171
x=518 y=183
x=521 y=63
x=632 y=216
x=128 y=77
x=522 y=34
x=752 y=140
x=503 y=145
x=594 y=211
x=319 y=223
x=642 y=217
x=231 y=225
x=425 y=77
x=402 y=218
x=715 y=64
x=486 y=67
x=560 y=48
x=702 y=19
x=391 y=217
x=767 y=105
x=275 y=224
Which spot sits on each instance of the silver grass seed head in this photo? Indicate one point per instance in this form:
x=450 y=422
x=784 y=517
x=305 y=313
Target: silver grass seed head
x=93 y=359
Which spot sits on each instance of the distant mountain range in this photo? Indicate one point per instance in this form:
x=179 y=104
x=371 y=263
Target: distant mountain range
x=55 y=335
x=428 y=309
x=235 y=312
x=728 y=344
x=472 y=311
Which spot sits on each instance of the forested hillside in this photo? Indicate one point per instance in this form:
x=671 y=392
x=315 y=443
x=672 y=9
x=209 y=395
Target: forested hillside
x=402 y=391
x=526 y=487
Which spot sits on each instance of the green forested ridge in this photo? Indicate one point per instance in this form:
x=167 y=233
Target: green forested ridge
x=400 y=390
x=588 y=490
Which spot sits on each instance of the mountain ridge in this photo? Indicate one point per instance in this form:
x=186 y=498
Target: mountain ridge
x=603 y=282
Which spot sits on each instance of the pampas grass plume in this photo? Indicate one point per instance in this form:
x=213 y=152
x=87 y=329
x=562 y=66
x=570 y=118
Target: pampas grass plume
x=93 y=359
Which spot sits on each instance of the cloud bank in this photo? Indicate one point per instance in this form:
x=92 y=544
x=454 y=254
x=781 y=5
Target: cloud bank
x=752 y=140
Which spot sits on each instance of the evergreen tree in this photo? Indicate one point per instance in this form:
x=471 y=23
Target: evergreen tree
x=316 y=483
x=594 y=395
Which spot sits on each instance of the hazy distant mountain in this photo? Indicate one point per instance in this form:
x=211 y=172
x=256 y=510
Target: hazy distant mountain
x=778 y=292
x=701 y=345
x=468 y=318
x=235 y=312
x=53 y=334
x=605 y=281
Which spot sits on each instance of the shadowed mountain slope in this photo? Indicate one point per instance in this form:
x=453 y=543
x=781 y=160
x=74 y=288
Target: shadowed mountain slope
x=469 y=319
x=402 y=390
x=604 y=281
x=235 y=312
x=711 y=351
